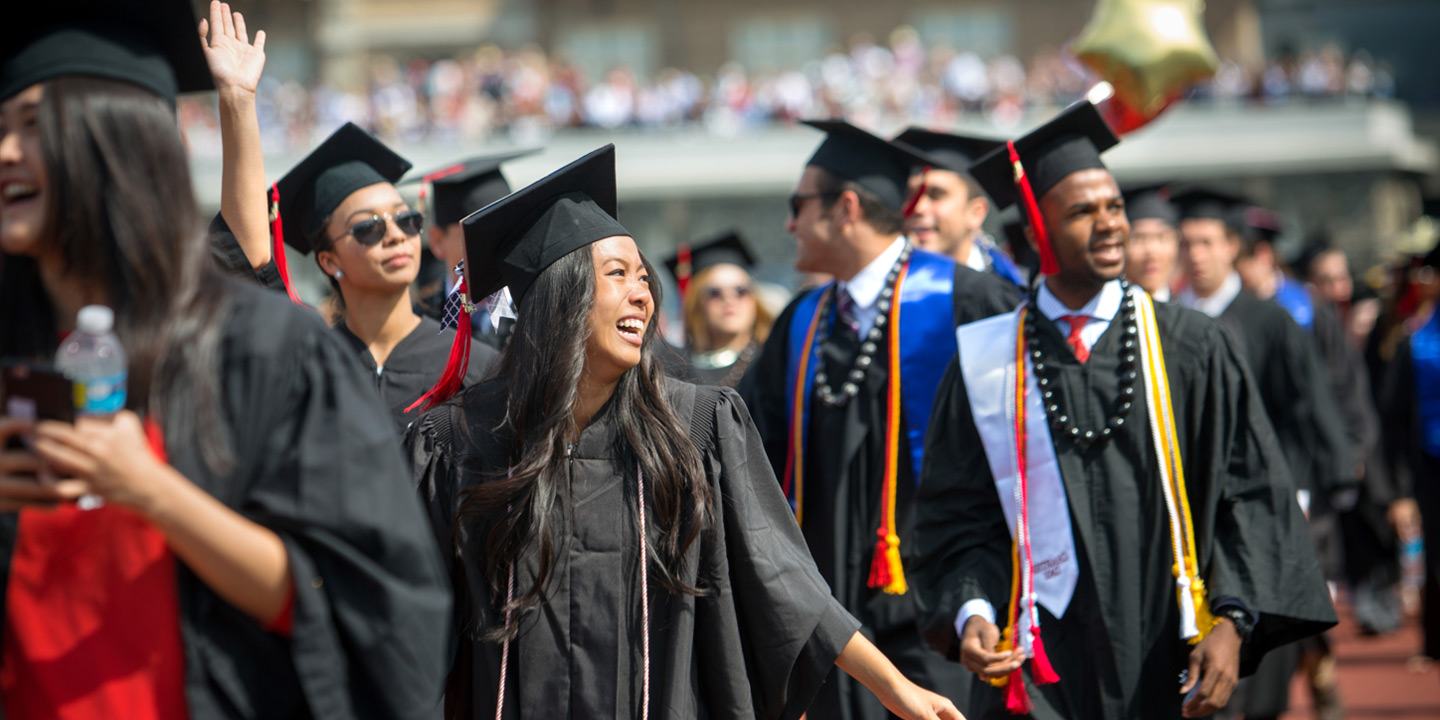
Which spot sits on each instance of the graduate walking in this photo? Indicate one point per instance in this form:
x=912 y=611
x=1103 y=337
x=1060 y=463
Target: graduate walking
x=1105 y=526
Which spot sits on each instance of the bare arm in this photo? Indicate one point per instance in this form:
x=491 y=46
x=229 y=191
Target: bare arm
x=236 y=64
x=241 y=561
x=863 y=661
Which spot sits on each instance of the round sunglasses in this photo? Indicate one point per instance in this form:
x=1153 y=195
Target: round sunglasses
x=371 y=230
x=719 y=292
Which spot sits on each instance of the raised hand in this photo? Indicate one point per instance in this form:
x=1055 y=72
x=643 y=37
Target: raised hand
x=235 y=62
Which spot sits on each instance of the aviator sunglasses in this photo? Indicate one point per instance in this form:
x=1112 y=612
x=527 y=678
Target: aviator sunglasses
x=371 y=230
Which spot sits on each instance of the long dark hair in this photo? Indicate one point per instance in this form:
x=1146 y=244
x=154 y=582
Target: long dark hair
x=540 y=371
x=121 y=215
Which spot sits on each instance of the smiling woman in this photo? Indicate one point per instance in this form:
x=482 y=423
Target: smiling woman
x=581 y=483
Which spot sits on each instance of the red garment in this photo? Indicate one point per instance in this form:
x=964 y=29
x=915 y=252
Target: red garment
x=1077 y=346
x=92 y=625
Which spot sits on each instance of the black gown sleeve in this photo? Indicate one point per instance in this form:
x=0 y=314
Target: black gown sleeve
x=961 y=542
x=979 y=295
x=1255 y=542
x=762 y=582
x=372 y=606
x=763 y=389
x=230 y=258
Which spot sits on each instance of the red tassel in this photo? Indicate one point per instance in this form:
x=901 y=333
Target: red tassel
x=1040 y=665
x=1017 y=700
x=914 y=200
x=879 y=568
x=1048 y=266
x=277 y=244
x=682 y=269
x=453 y=378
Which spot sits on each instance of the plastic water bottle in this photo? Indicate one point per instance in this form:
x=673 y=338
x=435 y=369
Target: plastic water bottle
x=94 y=360
x=1412 y=572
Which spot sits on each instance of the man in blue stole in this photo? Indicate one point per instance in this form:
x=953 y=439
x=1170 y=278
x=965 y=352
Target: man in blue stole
x=950 y=208
x=841 y=391
x=1164 y=551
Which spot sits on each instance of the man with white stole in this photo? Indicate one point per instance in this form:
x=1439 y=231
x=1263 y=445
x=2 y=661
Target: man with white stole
x=1105 y=525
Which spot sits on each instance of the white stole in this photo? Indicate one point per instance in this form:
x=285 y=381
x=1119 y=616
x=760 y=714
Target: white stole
x=987 y=363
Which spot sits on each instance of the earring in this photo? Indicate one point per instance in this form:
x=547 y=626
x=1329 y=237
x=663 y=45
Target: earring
x=339 y=274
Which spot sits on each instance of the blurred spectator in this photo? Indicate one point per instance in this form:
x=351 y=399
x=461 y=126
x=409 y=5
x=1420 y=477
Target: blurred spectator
x=527 y=93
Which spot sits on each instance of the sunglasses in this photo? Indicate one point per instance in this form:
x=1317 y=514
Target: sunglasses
x=717 y=292
x=798 y=200
x=371 y=230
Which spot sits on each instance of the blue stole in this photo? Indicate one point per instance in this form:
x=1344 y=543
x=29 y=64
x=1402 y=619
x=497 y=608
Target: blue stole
x=927 y=344
x=1296 y=300
x=1425 y=356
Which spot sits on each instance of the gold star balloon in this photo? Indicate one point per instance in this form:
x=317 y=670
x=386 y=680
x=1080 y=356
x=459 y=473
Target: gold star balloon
x=1151 y=51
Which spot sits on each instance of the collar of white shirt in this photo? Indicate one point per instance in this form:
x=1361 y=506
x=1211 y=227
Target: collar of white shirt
x=865 y=287
x=976 y=261
x=1217 y=302
x=1102 y=307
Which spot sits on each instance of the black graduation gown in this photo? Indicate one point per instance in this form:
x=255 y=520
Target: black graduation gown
x=1416 y=474
x=1295 y=390
x=842 y=495
x=317 y=463
x=756 y=644
x=1117 y=650
x=415 y=364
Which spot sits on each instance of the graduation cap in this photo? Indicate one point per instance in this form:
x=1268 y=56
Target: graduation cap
x=950 y=151
x=1262 y=224
x=148 y=43
x=1026 y=169
x=875 y=164
x=467 y=186
x=1203 y=203
x=509 y=242
x=691 y=261
x=1151 y=202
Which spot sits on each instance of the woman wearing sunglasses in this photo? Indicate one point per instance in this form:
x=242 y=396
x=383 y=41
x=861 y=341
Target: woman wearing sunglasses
x=258 y=553
x=725 y=323
x=619 y=544
x=340 y=203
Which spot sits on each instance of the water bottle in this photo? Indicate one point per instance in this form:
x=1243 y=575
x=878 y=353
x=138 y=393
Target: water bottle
x=94 y=360
x=1412 y=572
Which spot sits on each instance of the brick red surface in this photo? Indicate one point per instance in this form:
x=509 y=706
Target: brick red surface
x=1377 y=680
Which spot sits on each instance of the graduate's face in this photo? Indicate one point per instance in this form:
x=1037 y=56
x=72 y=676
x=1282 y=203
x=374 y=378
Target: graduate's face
x=23 y=180
x=389 y=265
x=1153 y=253
x=729 y=300
x=816 y=235
x=946 y=215
x=447 y=243
x=1085 y=218
x=623 y=308
x=1208 y=253
x=1330 y=273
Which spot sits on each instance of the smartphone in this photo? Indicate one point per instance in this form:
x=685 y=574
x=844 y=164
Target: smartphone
x=36 y=391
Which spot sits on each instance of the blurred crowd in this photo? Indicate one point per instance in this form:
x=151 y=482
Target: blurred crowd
x=527 y=93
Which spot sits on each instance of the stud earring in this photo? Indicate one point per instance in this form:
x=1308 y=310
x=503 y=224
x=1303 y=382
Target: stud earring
x=339 y=274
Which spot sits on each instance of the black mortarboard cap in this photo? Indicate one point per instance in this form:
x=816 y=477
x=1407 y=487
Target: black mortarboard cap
x=728 y=248
x=464 y=187
x=879 y=166
x=1262 y=224
x=514 y=239
x=149 y=43
x=1197 y=203
x=1070 y=142
x=952 y=152
x=348 y=160
x=1151 y=202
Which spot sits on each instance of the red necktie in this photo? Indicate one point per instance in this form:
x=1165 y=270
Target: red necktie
x=1077 y=323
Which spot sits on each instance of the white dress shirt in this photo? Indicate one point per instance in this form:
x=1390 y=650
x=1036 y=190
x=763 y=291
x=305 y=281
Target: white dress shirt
x=865 y=287
x=1101 y=310
x=1217 y=302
